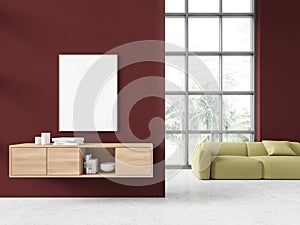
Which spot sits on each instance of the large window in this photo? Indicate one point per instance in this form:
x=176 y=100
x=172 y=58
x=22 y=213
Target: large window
x=209 y=74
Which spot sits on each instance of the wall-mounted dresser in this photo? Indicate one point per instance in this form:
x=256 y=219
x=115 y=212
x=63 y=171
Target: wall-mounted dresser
x=62 y=161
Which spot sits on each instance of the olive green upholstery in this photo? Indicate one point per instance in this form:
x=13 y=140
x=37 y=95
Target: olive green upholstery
x=227 y=148
x=201 y=161
x=296 y=147
x=280 y=167
x=236 y=167
x=256 y=149
x=278 y=148
x=250 y=160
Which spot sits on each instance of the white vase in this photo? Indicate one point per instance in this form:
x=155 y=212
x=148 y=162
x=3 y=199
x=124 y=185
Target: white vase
x=45 y=138
x=37 y=140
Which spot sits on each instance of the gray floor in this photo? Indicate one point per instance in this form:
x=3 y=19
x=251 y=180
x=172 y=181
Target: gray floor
x=188 y=201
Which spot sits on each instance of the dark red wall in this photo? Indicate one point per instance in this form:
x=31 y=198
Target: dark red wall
x=32 y=34
x=278 y=70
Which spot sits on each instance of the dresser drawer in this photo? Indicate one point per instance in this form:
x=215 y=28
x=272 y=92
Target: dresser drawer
x=134 y=162
x=64 y=161
x=28 y=161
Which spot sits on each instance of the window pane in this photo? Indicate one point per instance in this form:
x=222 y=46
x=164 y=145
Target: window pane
x=197 y=139
x=237 y=34
x=237 y=138
x=174 y=34
x=204 y=73
x=204 y=34
x=174 y=6
x=174 y=70
x=241 y=6
x=215 y=112
x=237 y=73
x=237 y=112
x=205 y=6
x=204 y=112
x=175 y=149
x=175 y=112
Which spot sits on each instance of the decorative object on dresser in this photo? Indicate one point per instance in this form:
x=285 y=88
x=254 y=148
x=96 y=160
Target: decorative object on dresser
x=62 y=161
x=45 y=138
x=107 y=166
x=90 y=164
x=37 y=140
x=68 y=140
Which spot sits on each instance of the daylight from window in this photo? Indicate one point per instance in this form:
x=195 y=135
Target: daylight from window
x=209 y=74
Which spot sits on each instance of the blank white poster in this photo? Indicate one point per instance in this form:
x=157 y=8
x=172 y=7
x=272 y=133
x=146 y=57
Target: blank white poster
x=88 y=89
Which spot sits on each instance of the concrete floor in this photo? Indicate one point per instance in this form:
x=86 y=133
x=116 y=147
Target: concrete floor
x=189 y=201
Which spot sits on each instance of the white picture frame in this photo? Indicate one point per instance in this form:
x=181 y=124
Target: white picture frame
x=88 y=89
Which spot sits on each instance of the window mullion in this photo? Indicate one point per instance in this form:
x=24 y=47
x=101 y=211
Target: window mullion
x=186 y=81
x=221 y=72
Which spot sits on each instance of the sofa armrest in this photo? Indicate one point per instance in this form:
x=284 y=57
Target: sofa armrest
x=201 y=161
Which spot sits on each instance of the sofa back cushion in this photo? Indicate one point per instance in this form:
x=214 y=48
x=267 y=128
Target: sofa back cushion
x=227 y=148
x=296 y=147
x=256 y=149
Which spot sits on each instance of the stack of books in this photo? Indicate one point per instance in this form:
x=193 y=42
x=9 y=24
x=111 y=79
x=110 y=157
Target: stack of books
x=68 y=140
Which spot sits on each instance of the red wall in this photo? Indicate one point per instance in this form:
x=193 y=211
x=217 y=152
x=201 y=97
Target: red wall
x=32 y=33
x=278 y=70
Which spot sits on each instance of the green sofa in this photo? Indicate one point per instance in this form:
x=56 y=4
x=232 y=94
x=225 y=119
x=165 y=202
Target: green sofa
x=252 y=160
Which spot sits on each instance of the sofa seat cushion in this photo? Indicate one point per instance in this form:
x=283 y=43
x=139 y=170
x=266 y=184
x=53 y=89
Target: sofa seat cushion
x=280 y=167
x=236 y=167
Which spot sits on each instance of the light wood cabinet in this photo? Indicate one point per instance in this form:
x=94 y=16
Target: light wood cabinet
x=134 y=161
x=28 y=161
x=58 y=161
x=64 y=161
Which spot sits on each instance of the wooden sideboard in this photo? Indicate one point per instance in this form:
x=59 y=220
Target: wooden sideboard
x=62 y=161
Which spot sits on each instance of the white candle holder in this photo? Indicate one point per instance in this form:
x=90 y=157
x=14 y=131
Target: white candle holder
x=45 y=138
x=37 y=140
